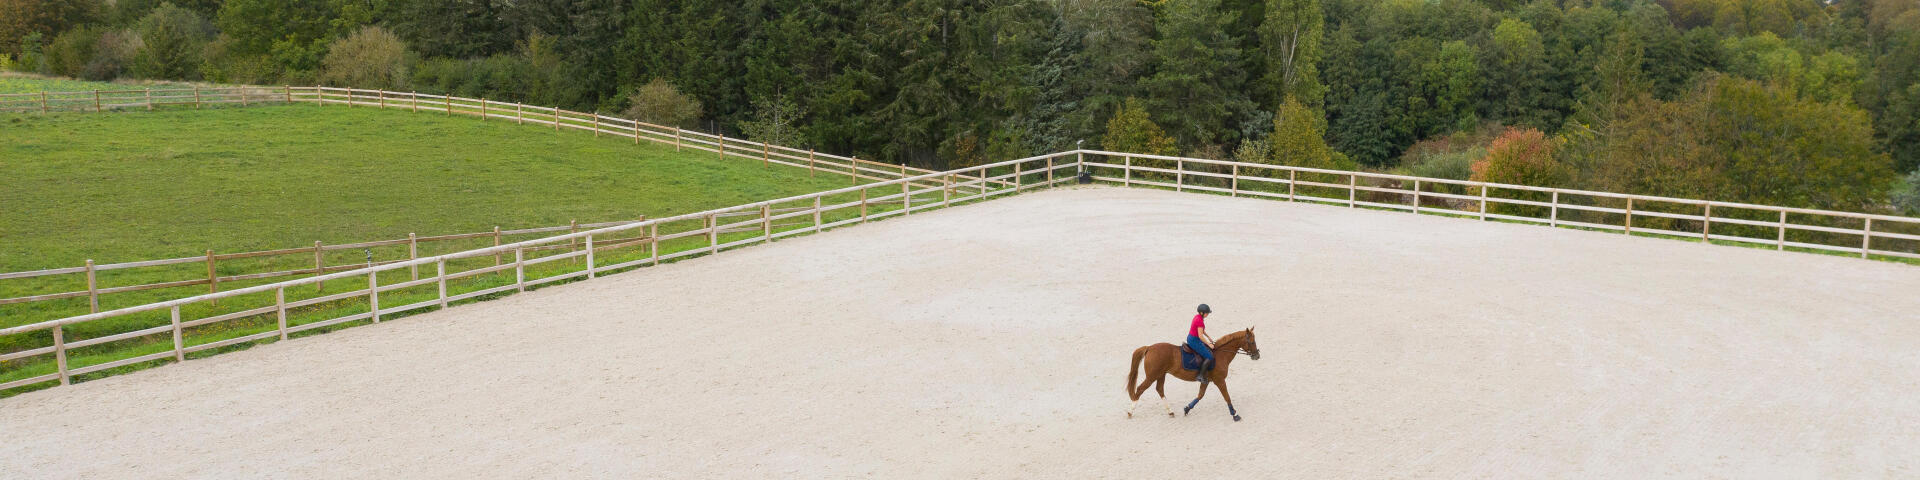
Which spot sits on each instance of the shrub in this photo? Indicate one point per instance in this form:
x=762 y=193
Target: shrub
x=658 y=102
x=1521 y=156
x=1449 y=165
x=70 y=51
x=1132 y=131
x=112 y=54
x=1906 y=196
x=371 y=57
x=173 y=40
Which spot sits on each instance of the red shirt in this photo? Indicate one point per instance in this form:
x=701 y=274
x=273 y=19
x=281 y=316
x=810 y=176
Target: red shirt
x=1199 y=322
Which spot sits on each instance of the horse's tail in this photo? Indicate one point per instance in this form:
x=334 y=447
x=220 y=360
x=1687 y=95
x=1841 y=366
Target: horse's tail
x=1134 y=372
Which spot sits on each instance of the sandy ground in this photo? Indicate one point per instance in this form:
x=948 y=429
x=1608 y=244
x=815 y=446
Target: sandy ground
x=993 y=340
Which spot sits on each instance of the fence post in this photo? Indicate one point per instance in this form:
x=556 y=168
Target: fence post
x=556 y=119
x=446 y=100
x=676 y=139
x=383 y=97
x=1781 y=243
x=723 y=146
x=1353 y=184
x=1236 y=181
x=1706 y=225
x=1016 y=176
x=150 y=99
x=1629 y=222
x=213 y=281
x=318 y=267
x=243 y=97
x=653 y=240
x=1416 y=197
x=816 y=214
x=284 y=88
x=1049 y=171
x=1290 y=176
x=413 y=252
x=440 y=267
x=596 y=124
x=93 y=290
x=906 y=197
x=1553 y=214
x=853 y=169
x=1126 y=174
x=863 y=205
x=1483 y=201
x=413 y=100
x=520 y=268
x=179 y=344
x=573 y=226
x=96 y=102
x=519 y=113
x=43 y=101
x=946 y=190
x=280 y=310
x=1179 y=174
x=373 y=295
x=590 y=273
x=766 y=223
x=496 y=242
x=60 y=345
x=1866 y=238
x=810 y=168
x=196 y=98
x=713 y=234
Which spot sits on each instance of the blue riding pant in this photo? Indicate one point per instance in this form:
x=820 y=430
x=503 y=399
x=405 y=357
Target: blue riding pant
x=1199 y=347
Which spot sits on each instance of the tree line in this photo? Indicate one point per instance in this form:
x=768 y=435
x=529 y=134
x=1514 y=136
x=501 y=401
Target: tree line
x=1798 y=102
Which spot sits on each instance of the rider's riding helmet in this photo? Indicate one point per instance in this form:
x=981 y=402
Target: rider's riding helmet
x=1205 y=309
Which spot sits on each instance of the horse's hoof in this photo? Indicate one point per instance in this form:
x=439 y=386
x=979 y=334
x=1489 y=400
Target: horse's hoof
x=1129 y=414
x=1236 y=418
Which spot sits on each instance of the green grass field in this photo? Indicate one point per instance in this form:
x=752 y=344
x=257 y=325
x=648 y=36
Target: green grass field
x=11 y=82
x=175 y=183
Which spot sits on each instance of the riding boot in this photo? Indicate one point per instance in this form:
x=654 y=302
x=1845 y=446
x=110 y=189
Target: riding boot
x=1201 y=375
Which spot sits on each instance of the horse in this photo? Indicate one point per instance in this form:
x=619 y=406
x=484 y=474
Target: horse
x=1163 y=359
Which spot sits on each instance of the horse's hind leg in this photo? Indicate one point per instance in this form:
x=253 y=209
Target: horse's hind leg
x=1160 y=385
x=1139 y=390
x=1196 y=399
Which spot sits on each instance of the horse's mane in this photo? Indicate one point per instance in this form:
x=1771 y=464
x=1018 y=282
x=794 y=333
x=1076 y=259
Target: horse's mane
x=1233 y=337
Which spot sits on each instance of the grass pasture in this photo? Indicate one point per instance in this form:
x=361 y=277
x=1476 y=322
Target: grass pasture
x=175 y=183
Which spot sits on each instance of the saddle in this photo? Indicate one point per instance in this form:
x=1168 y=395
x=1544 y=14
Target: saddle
x=1188 y=359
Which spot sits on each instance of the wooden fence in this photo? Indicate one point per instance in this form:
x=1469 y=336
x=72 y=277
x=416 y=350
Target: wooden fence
x=856 y=170
x=317 y=252
x=1861 y=234
x=911 y=194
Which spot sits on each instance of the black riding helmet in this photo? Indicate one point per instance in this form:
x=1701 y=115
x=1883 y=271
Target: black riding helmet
x=1205 y=309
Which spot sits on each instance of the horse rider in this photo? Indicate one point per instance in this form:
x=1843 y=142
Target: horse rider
x=1200 y=342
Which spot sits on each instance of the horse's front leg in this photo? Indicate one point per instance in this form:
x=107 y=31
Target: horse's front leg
x=1229 y=399
x=1196 y=399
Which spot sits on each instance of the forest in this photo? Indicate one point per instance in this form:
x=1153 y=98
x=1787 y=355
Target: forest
x=1805 y=103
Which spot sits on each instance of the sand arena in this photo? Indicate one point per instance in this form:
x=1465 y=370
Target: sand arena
x=993 y=340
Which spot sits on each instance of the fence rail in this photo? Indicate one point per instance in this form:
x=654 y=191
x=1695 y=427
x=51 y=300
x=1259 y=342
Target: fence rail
x=1552 y=206
x=856 y=169
x=1850 y=233
x=94 y=290
x=802 y=214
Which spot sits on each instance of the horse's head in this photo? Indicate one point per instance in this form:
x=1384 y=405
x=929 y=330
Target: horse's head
x=1243 y=341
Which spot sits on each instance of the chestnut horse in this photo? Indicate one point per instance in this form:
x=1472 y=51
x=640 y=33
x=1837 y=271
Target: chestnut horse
x=1163 y=359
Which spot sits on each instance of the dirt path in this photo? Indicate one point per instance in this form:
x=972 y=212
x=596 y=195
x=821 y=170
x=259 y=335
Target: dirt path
x=992 y=340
